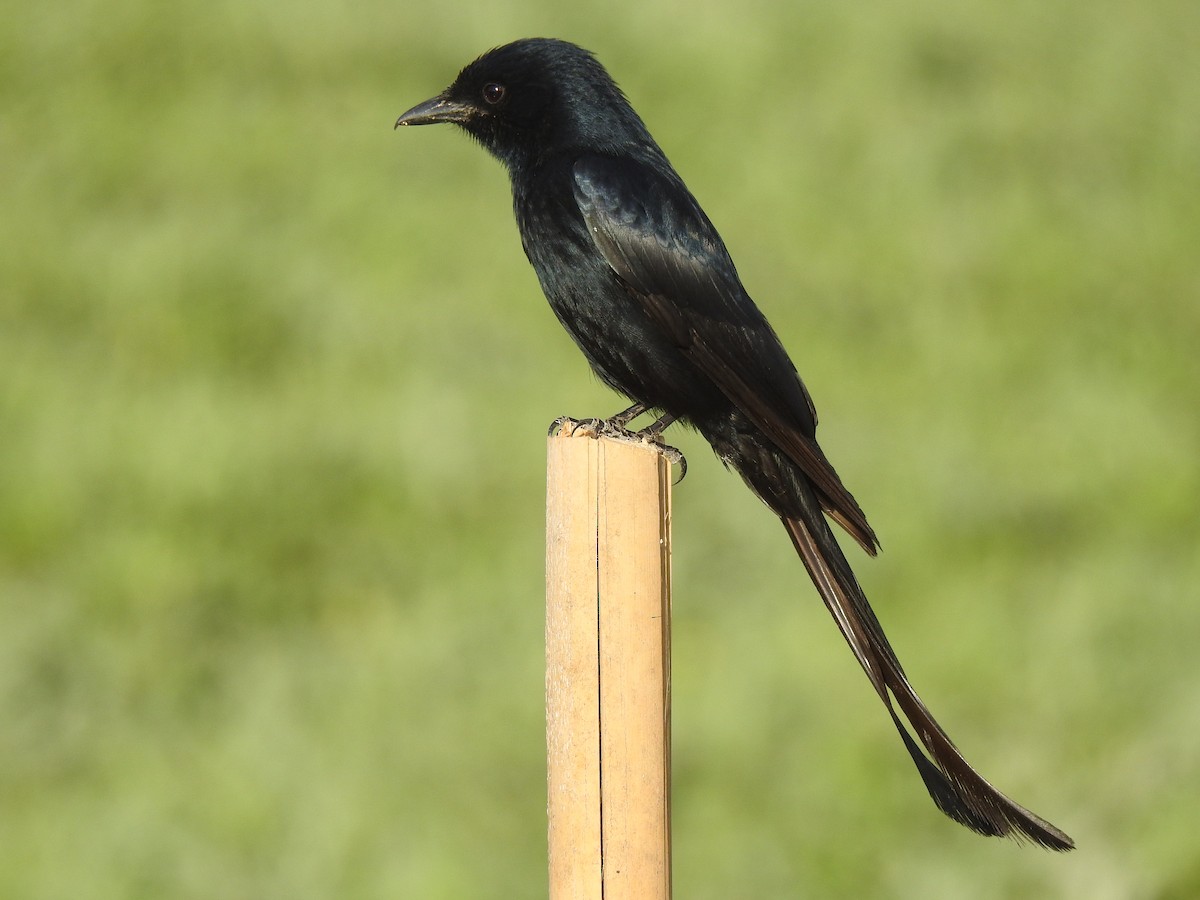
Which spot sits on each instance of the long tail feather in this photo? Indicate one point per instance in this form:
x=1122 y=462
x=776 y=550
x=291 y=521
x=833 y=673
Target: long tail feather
x=956 y=788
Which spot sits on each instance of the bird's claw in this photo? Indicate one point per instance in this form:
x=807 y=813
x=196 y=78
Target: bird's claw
x=676 y=458
x=565 y=425
x=598 y=428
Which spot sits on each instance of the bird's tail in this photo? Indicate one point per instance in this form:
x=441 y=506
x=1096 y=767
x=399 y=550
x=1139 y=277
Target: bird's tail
x=957 y=789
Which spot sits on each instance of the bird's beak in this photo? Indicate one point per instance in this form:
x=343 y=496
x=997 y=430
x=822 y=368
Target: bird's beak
x=440 y=109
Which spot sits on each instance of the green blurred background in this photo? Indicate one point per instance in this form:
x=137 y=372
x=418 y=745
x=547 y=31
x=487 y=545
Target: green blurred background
x=274 y=385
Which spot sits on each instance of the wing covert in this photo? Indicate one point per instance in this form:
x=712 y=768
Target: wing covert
x=660 y=243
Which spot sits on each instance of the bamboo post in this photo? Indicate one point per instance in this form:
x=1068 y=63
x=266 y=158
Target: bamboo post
x=608 y=669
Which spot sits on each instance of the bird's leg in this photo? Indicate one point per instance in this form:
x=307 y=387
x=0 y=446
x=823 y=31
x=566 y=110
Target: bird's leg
x=622 y=419
x=613 y=426
x=655 y=429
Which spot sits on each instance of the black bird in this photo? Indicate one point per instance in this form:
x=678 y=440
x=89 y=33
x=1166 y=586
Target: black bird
x=641 y=280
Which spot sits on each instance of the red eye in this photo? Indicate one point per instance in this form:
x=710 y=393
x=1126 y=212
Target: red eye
x=493 y=93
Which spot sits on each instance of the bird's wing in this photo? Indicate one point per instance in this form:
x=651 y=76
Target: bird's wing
x=660 y=243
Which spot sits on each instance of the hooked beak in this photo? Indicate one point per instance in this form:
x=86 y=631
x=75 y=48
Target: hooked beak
x=439 y=109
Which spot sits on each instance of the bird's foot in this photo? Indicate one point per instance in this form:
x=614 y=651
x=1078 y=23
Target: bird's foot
x=568 y=427
x=615 y=429
x=674 y=456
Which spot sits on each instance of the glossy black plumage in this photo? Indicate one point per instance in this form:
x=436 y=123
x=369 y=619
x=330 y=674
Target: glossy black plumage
x=640 y=278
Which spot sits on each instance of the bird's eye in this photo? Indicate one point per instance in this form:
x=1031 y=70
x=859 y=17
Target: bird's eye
x=493 y=93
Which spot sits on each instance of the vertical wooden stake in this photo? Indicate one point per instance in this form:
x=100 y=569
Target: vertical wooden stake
x=608 y=669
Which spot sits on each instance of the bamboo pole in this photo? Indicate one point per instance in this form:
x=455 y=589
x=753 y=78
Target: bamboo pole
x=608 y=669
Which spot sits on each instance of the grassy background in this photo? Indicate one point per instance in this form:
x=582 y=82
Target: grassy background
x=273 y=389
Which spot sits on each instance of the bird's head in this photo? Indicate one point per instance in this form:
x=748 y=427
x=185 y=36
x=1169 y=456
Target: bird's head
x=534 y=97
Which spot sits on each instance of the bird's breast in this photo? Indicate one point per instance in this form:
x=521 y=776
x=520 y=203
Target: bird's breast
x=604 y=316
